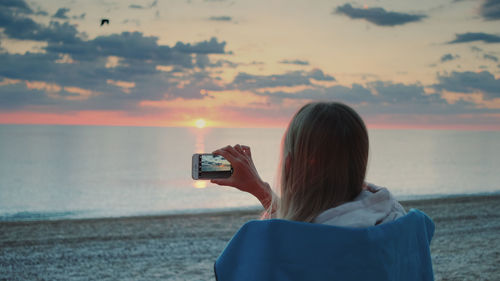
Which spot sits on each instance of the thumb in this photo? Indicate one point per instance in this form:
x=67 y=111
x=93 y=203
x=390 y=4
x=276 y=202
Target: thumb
x=220 y=181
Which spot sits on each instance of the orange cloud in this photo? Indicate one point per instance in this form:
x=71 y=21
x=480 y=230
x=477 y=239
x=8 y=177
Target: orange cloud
x=83 y=94
x=38 y=85
x=112 y=62
x=165 y=68
x=65 y=58
x=53 y=90
x=476 y=98
x=126 y=86
x=7 y=81
x=286 y=89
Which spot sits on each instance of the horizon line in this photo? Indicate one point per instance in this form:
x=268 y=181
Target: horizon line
x=370 y=126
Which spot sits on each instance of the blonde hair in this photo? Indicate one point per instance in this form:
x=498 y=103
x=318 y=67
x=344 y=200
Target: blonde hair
x=323 y=160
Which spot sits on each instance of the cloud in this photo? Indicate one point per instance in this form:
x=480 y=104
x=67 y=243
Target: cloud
x=135 y=6
x=27 y=66
x=135 y=21
x=15 y=96
x=399 y=93
x=490 y=9
x=61 y=13
x=81 y=78
x=470 y=82
x=211 y=46
x=41 y=13
x=296 y=62
x=135 y=47
x=81 y=68
x=354 y=94
x=221 y=18
x=19 y=6
x=490 y=57
x=374 y=97
x=245 y=81
x=319 y=75
x=476 y=49
x=80 y=17
x=448 y=57
x=18 y=26
x=203 y=61
x=475 y=36
x=378 y=16
x=118 y=71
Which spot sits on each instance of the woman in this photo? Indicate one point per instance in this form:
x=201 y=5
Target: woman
x=323 y=166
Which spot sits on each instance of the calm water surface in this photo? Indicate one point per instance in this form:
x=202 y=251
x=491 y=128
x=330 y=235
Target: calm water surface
x=49 y=172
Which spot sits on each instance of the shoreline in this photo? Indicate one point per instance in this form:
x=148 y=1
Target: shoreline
x=465 y=245
x=423 y=200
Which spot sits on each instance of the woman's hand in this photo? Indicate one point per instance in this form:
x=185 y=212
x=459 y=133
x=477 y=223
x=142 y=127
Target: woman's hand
x=245 y=176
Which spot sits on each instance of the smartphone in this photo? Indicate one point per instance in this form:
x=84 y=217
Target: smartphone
x=209 y=166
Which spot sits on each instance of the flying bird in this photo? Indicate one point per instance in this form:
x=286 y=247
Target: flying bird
x=103 y=21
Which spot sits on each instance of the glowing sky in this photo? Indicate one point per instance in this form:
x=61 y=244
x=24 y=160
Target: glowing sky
x=401 y=64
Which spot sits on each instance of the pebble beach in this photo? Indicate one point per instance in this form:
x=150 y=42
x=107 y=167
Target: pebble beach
x=466 y=244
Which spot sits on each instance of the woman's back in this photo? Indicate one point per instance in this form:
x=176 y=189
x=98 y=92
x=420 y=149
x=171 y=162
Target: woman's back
x=286 y=250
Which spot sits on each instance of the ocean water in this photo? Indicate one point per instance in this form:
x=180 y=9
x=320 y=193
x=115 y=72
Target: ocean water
x=53 y=172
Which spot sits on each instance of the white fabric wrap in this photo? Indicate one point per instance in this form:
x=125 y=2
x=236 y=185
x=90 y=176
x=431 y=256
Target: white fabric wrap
x=373 y=206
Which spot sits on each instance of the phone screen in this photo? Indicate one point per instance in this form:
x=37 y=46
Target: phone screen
x=214 y=166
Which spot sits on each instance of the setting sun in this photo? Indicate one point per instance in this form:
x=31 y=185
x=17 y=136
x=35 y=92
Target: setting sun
x=200 y=123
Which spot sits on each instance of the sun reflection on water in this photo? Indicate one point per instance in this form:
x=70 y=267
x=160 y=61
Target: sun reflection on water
x=200 y=184
x=200 y=141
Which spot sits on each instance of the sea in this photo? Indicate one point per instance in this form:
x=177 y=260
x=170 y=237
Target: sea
x=73 y=172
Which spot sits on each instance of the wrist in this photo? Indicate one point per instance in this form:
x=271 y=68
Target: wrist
x=263 y=193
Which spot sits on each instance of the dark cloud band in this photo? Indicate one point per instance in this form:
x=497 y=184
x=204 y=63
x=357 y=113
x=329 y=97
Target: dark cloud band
x=490 y=9
x=69 y=60
x=221 y=18
x=61 y=14
x=448 y=57
x=18 y=6
x=475 y=36
x=490 y=57
x=470 y=82
x=245 y=81
x=378 y=16
x=296 y=62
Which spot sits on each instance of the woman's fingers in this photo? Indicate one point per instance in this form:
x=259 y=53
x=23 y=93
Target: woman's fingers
x=238 y=148
x=231 y=150
x=234 y=152
x=220 y=181
x=226 y=154
x=246 y=150
x=243 y=149
x=239 y=156
x=245 y=176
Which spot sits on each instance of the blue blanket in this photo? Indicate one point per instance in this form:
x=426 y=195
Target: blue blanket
x=286 y=250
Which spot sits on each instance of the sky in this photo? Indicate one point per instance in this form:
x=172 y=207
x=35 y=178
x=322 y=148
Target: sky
x=240 y=63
